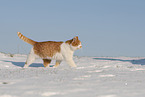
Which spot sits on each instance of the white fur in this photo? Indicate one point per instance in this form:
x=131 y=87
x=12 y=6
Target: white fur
x=75 y=47
x=30 y=59
x=79 y=46
x=57 y=56
x=67 y=53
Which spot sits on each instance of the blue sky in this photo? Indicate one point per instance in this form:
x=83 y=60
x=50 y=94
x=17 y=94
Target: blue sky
x=105 y=27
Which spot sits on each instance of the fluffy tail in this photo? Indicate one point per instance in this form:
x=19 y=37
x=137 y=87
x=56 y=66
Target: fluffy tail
x=24 y=38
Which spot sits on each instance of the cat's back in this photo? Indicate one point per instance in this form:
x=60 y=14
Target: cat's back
x=48 y=43
x=47 y=48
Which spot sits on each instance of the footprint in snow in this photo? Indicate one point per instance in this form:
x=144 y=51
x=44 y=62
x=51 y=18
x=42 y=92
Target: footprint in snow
x=6 y=83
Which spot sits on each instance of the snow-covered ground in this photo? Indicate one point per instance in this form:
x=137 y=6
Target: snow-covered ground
x=94 y=77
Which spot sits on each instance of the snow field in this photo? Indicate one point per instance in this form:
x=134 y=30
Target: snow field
x=94 y=77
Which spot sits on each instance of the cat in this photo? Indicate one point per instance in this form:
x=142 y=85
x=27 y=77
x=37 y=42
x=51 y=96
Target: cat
x=52 y=50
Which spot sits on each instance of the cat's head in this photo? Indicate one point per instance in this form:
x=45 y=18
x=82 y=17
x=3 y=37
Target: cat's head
x=74 y=43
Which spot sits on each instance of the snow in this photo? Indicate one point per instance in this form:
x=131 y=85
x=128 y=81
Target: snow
x=94 y=77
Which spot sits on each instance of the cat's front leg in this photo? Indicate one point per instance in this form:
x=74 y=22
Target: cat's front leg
x=71 y=62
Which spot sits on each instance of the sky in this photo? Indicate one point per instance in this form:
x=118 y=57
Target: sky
x=105 y=27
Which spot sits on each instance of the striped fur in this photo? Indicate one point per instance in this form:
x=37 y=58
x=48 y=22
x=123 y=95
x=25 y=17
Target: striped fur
x=24 y=38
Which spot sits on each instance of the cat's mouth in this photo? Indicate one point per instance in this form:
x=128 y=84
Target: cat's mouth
x=80 y=46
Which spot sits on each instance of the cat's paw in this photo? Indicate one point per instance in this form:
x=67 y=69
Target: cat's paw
x=26 y=66
x=55 y=66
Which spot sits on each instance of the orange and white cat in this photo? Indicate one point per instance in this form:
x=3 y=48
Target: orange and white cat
x=51 y=50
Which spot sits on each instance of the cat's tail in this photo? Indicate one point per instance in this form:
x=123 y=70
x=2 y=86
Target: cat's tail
x=24 y=38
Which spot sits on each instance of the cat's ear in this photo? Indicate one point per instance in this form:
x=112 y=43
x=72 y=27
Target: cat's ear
x=75 y=38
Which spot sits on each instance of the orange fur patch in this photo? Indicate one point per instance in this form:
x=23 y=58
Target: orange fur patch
x=76 y=41
x=24 y=38
x=46 y=62
x=47 y=49
x=69 y=41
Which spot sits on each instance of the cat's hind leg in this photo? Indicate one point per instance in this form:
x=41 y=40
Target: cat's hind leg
x=30 y=59
x=46 y=62
x=57 y=63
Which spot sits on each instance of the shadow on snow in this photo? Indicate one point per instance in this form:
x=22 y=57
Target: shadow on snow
x=139 y=62
x=21 y=64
